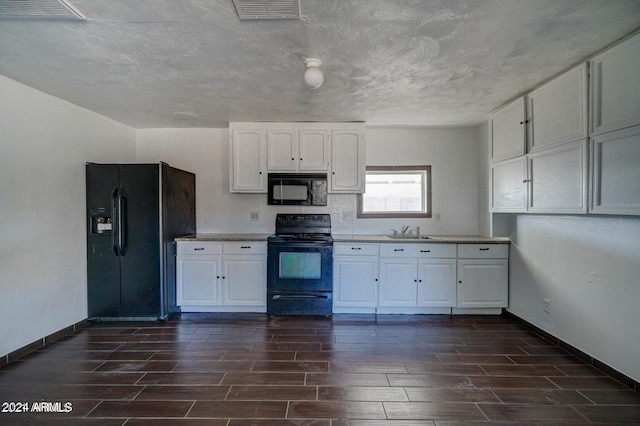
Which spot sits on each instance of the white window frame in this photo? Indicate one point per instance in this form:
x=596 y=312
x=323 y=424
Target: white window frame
x=426 y=200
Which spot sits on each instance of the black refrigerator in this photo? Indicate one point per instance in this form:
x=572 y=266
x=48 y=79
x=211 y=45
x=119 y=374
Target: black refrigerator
x=134 y=212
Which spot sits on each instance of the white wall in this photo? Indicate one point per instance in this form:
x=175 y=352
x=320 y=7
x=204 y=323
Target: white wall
x=44 y=144
x=451 y=152
x=484 y=184
x=589 y=269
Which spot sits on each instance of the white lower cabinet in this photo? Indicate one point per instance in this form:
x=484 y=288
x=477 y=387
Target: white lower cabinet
x=198 y=280
x=420 y=278
x=483 y=276
x=355 y=278
x=417 y=278
x=398 y=282
x=221 y=277
x=437 y=282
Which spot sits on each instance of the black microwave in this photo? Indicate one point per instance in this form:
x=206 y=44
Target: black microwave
x=297 y=189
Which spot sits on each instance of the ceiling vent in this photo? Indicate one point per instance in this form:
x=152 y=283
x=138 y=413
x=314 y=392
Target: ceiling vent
x=39 y=9
x=267 y=9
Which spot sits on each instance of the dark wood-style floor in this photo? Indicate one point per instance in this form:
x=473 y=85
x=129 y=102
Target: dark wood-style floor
x=347 y=370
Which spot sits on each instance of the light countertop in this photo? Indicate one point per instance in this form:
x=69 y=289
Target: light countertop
x=347 y=238
x=225 y=237
x=432 y=239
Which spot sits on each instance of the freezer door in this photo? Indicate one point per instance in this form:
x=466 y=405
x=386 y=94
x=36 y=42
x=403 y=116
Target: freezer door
x=103 y=264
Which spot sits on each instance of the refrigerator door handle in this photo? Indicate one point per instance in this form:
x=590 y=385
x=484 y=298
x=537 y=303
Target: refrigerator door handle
x=114 y=220
x=122 y=225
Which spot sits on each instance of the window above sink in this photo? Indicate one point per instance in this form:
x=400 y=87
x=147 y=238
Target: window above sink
x=396 y=192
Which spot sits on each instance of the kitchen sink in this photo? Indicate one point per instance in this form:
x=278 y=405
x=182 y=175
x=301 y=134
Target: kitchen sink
x=408 y=237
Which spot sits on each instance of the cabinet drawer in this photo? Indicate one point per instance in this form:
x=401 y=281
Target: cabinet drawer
x=355 y=249
x=483 y=251
x=418 y=250
x=195 y=247
x=245 y=247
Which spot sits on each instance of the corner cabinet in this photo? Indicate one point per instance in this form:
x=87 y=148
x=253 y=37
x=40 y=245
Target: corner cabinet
x=259 y=148
x=221 y=277
x=483 y=276
x=248 y=154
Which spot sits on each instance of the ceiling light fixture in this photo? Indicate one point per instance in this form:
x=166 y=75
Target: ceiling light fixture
x=313 y=76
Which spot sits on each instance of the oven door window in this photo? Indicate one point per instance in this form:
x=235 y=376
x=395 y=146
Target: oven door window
x=305 y=265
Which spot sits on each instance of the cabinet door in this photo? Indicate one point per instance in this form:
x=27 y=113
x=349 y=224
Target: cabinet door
x=347 y=161
x=558 y=110
x=483 y=283
x=314 y=150
x=198 y=280
x=616 y=172
x=355 y=281
x=615 y=87
x=398 y=281
x=509 y=186
x=248 y=152
x=282 y=150
x=244 y=281
x=507 y=131
x=437 y=282
x=558 y=179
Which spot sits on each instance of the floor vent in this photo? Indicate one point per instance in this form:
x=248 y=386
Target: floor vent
x=39 y=9
x=267 y=9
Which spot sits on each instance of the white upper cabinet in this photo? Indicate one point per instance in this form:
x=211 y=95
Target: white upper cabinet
x=297 y=150
x=558 y=179
x=615 y=87
x=507 y=131
x=347 y=161
x=248 y=154
x=314 y=150
x=257 y=149
x=557 y=111
x=616 y=172
x=282 y=150
x=509 y=185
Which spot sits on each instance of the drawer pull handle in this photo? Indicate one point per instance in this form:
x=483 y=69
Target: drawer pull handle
x=484 y=249
x=198 y=248
x=398 y=249
x=425 y=251
x=356 y=248
x=245 y=247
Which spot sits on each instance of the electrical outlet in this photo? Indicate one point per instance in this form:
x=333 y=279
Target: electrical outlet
x=253 y=216
x=436 y=216
x=347 y=216
x=547 y=306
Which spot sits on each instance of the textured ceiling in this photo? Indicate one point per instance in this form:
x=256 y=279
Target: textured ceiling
x=193 y=63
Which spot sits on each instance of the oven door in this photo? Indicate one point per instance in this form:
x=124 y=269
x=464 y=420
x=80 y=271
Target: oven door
x=299 y=267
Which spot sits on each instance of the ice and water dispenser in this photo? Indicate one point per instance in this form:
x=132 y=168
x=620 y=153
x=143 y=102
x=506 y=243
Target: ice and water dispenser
x=100 y=220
